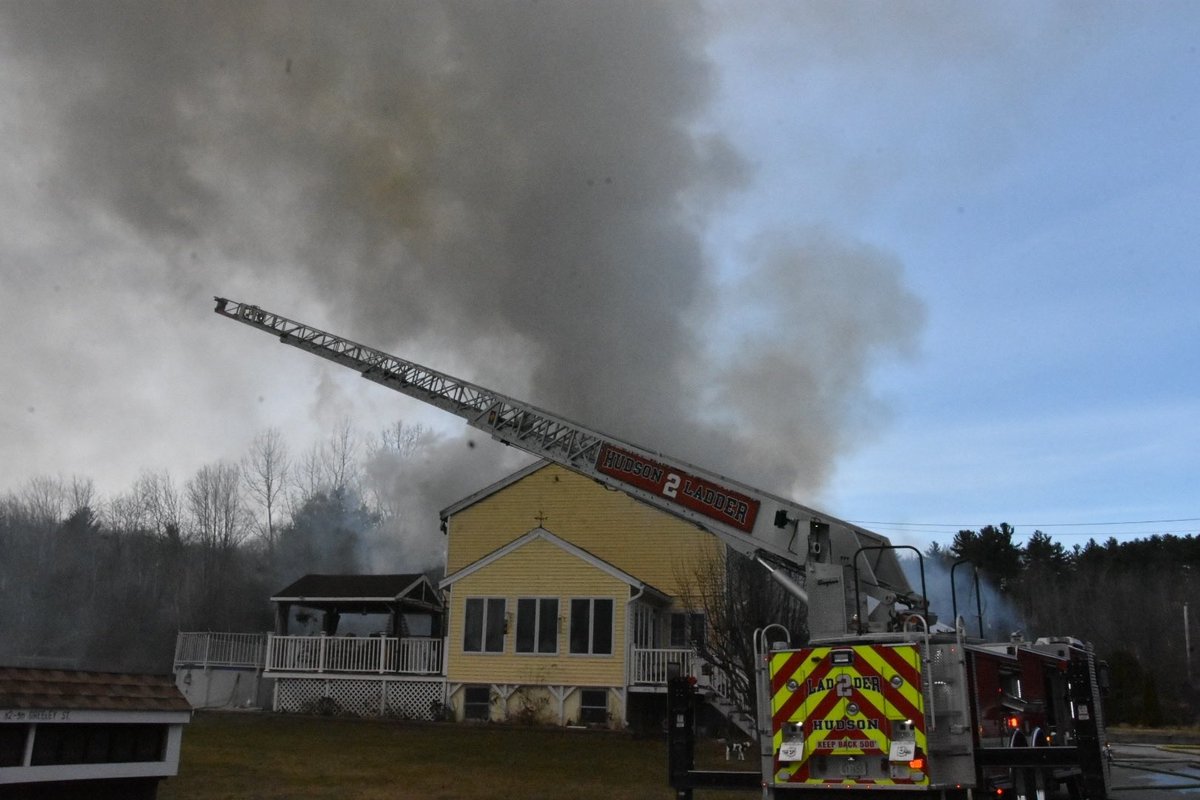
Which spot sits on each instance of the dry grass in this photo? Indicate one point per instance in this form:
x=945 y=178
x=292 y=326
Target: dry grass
x=272 y=757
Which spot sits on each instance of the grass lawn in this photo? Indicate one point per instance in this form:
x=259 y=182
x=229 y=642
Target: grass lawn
x=260 y=756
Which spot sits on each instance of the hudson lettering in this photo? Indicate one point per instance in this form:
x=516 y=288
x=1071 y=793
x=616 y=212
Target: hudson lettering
x=843 y=684
x=845 y=724
x=696 y=494
x=620 y=462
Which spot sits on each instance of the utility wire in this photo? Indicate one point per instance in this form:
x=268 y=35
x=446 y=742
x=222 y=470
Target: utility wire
x=1099 y=535
x=1097 y=530
x=974 y=525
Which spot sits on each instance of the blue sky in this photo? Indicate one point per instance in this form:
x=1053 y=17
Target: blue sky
x=936 y=264
x=1035 y=168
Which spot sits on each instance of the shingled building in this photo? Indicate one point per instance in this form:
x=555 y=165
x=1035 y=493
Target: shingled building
x=73 y=735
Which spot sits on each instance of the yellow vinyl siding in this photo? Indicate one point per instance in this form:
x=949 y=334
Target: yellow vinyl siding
x=649 y=544
x=538 y=569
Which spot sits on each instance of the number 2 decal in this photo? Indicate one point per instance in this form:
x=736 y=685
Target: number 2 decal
x=671 y=488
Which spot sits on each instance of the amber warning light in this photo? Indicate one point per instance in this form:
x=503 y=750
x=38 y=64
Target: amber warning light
x=841 y=658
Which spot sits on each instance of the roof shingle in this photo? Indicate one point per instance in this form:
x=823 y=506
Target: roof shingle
x=340 y=587
x=92 y=691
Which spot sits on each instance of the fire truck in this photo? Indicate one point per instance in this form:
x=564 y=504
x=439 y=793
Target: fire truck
x=881 y=697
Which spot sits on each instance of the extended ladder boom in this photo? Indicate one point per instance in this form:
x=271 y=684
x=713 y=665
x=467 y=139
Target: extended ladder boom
x=749 y=520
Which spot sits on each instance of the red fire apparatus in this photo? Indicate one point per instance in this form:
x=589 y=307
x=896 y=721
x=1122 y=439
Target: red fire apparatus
x=880 y=699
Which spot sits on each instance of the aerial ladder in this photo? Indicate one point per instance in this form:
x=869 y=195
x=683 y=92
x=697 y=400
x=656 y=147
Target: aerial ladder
x=793 y=542
x=878 y=698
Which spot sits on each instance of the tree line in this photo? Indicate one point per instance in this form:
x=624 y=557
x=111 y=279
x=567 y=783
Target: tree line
x=1127 y=598
x=105 y=583
x=88 y=582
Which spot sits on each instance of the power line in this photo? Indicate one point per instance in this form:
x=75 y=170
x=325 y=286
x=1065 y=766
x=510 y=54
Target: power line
x=1099 y=535
x=1098 y=531
x=975 y=525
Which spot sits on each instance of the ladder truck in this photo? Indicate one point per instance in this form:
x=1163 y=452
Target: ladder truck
x=880 y=699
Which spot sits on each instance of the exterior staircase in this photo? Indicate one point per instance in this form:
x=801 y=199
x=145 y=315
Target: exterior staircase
x=714 y=690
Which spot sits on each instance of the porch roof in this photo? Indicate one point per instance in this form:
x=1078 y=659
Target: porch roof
x=332 y=589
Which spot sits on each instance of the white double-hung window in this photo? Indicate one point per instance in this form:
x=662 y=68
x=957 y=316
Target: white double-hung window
x=591 y=626
x=537 y=625
x=483 y=626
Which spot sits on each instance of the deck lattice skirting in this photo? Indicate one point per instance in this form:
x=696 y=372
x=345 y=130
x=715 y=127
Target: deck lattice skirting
x=407 y=698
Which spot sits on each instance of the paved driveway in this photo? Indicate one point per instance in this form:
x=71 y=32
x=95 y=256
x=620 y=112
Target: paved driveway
x=1155 y=772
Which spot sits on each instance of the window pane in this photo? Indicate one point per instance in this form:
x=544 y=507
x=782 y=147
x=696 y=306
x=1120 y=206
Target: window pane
x=698 y=630
x=473 y=626
x=593 y=706
x=580 y=625
x=526 y=624
x=477 y=702
x=678 y=630
x=548 y=626
x=494 y=630
x=602 y=625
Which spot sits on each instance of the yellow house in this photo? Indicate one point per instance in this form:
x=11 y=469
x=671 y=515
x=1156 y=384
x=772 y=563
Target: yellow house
x=563 y=601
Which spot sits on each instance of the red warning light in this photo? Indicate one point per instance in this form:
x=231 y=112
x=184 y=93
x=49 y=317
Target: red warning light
x=1012 y=722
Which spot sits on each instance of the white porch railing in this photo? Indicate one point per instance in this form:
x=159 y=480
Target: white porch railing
x=653 y=665
x=381 y=655
x=211 y=649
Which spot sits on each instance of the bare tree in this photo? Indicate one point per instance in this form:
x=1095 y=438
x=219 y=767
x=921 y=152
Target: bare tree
x=81 y=493
x=45 y=500
x=385 y=455
x=162 y=504
x=737 y=598
x=266 y=471
x=215 y=506
x=341 y=457
x=307 y=479
x=326 y=468
x=125 y=513
x=397 y=439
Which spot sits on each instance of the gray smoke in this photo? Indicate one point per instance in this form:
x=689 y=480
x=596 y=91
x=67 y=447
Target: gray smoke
x=524 y=186
x=985 y=611
x=412 y=486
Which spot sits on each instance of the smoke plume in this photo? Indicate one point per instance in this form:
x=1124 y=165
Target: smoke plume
x=520 y=189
